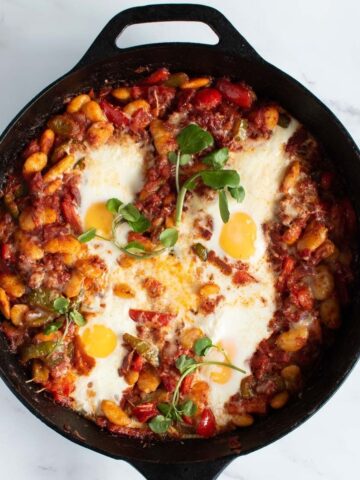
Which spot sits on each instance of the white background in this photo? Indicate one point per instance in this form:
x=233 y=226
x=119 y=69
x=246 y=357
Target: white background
x=317 y=42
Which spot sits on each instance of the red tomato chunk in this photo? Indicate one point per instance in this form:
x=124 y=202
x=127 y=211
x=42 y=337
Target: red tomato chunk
x=207 y=98
x=238 y=93
x=207 y=425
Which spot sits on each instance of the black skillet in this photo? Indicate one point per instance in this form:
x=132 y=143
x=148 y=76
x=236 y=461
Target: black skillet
x=193 y=459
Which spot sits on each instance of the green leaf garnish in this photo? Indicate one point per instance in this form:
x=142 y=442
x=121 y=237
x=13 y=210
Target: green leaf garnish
x=188 y=408
x=184 y=362
x=193 y=139
x=169 y=411
x=140 y=225
x=238 y=193
x=218 y=179
x=202 y=346
x=87 y=236
x=136 y=248
x=69 y=314
x=113 y=205
x=164 y=408
x=188 y=185
x=160 y=424
x=53 y=327
x=77 y=318
x=175 y=412
x=180 y=159
x=217 y=159
x=185 y=159
x=61 y=305
x=191 y=183
x=169 y=237
x=172 y=156
x=223 y=206
x=129 y=212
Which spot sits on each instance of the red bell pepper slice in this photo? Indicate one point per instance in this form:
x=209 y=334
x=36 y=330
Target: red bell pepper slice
x=159 y=76
x=137 y=362
x=188 y=420
x=241 y=277
x=146 y=316
x=68 y=209
x=145 y=411
x=114 y=114
x=186 y=384
x=7 y=253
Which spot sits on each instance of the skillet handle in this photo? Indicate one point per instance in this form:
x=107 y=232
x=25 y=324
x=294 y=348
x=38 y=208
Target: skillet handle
x=230 y=41
x=182 y=471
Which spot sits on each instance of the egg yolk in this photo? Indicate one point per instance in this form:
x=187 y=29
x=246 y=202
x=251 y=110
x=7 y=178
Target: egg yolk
x=99 y=341
x=99 y=217
x=223 y=374
x=238 y=235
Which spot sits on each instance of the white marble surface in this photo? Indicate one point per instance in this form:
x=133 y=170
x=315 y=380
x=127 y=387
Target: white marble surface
x=317 y=43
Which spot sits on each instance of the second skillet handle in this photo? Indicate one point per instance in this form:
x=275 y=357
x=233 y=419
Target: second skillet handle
x=230 y=40
x=182 y=471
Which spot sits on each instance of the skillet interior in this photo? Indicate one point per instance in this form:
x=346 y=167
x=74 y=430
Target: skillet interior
x=269 y=82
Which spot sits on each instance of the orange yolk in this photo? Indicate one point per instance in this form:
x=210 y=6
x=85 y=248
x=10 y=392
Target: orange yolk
x=99 y=217
x=99 y=341
x=238 y=235
x=223 y=374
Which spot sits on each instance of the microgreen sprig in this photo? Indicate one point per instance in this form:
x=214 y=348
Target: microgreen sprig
x=62 y=306
x=129 y=214
x=216 y=179
x=68 y=313
x=178 y=159
x=175 y=411
x=191 y=140
x=167 y=238
x=203 y=345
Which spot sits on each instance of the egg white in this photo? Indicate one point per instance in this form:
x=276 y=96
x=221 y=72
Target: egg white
x=104 y=381
x=113 y=170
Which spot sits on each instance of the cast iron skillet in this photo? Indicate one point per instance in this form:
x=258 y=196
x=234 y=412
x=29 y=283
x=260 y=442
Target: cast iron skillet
x=194 y=459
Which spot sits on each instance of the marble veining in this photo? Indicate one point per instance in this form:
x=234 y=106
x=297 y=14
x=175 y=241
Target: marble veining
x=315 y=42
x=346 y=108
